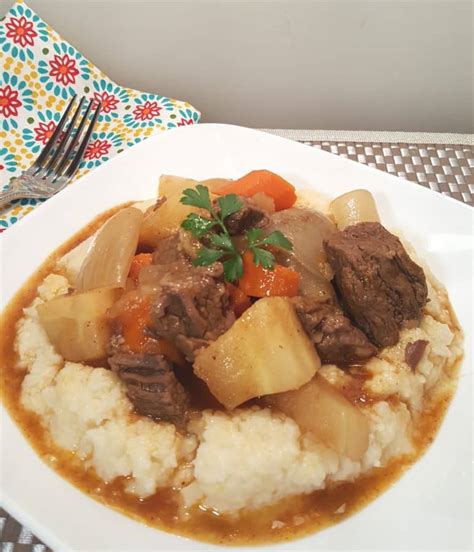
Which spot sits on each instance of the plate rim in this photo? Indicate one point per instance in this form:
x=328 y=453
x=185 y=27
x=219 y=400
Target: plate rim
x=41 y=530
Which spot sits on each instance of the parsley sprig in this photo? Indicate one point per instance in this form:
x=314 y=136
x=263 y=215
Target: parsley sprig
x=256 y=243
x=214 y=232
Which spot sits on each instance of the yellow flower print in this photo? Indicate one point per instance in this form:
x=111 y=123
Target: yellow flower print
x=28 y=67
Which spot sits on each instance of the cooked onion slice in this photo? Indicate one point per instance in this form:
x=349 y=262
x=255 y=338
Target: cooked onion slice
x=353 y=207
x=307 y=230
x=77 y=325
x=320 y=409
x=108 y=260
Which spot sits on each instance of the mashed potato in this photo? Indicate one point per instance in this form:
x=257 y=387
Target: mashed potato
x=248 y=458
x=87 y=412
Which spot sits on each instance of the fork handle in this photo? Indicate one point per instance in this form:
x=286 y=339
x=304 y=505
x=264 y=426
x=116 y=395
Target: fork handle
x=10 y=195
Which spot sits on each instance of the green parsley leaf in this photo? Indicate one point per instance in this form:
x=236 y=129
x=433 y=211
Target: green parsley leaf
x=198 y=226
x=224 y=247
x=222 y=241
x=278 y=239
x=228 y=205
x=253 y=236
x=233 y=268
x=207 y=256
x=198 y=197
x=263 y=257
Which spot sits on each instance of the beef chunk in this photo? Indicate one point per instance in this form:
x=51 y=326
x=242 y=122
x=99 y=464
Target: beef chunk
x=168 y=251
x=380 y=287
x=192 y=306
x=336 y=339
x=414 y=351
x=250 y=216
x=152 y=386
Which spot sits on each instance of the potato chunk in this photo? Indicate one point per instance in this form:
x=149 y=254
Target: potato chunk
x=170 y=185
x=266 y=351
x=164 y=221
x=320 y=409
x=77 y=325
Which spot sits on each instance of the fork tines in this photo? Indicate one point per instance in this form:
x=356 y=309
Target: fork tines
x=64 y=151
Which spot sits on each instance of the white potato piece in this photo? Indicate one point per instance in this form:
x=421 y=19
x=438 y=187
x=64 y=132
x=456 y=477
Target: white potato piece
x=164 y=221
x=319 y=408
x=170 y=185
x=353 y=207
x=214 y=184
x=110 y=255
x=265 y=351
x=77 y=325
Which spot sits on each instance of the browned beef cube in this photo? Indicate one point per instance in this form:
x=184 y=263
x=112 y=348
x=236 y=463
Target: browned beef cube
x=380 y=287
x=336 y=339
x=152 y=386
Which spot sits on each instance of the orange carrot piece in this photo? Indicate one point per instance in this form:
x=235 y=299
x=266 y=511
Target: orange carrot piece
x=262 y=181
x=261 y=282
x=134 y=320
x=139 y=261
x=238 y=300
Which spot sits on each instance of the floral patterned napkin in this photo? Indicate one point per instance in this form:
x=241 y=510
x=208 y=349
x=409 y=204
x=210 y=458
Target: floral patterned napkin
x=39 y=72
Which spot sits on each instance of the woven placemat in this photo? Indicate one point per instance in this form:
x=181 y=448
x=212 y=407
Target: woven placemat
x=443 y=168
x=446 y=168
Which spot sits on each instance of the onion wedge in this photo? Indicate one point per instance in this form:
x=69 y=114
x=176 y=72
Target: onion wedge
x=353 y=207
x=110 y=255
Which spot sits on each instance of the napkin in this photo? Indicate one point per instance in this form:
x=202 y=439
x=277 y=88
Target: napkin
x=39 y=73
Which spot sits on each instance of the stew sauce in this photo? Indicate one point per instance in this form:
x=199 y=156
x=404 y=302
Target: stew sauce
x=290 y=518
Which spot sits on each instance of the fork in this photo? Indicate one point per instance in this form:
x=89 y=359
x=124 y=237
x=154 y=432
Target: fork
x=53 y=169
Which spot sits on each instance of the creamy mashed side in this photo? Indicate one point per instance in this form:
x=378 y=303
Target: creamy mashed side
x=250 y=458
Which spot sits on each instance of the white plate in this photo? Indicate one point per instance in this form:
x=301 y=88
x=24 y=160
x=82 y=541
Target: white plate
x=429 y=508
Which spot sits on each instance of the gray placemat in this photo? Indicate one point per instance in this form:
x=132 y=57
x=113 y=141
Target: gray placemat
x=446 y=168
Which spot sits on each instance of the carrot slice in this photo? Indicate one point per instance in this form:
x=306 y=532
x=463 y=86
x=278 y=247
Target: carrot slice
x=139 y=261
x=261 y=282
x=262 y=181
x=238 y=300
x=134 y=320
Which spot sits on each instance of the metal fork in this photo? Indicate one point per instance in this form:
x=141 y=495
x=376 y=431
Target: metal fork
x=53 y=169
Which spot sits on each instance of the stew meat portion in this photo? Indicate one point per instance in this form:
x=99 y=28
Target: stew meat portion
x=152 y=386
x=191 y=307
x=336 y=339
x=249 y=216
x=380 y=287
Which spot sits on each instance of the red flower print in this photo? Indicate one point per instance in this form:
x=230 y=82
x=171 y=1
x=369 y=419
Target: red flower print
x=21 y=31
x=185 y=122
x=109 y=101
x=97 y=149
x=64 y=69
x=9 y=102
x=44 y=131
x=147 y=111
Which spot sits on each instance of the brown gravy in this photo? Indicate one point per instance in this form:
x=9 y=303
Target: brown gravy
x=290 y=518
